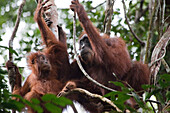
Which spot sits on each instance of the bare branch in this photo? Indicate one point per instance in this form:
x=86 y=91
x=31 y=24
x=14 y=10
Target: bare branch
x=108 y=16
x=15 y=28
x=74 y=108
x=166 y=66
x=95 y=7
x=157 y=53
x=52 y=14
x=161 y=19
x=152 y=107
x=133 y=33
x=137 y=19
x=150 y=32
x=152 y=101
x=165 y=109
x=11 y=71
x=157 y=102
x=91 y=95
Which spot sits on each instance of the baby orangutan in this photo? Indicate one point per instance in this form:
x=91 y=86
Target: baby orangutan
x=41 y=81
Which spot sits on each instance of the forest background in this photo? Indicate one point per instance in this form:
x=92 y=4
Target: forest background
x=148 y=19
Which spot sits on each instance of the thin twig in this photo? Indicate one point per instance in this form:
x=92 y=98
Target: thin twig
x=166 y=66
x=166 y=107
x=153 y=101
x=141 y=14
x=167 y=18
x=162 y=16
x=152 y=107
x=3 y=66
x=160 y=58
x=133 y=33
x=95 y=7
x=128 y=85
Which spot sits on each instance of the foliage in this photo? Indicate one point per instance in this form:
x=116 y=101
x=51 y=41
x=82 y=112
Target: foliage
x=6 y=103
x=119 y=97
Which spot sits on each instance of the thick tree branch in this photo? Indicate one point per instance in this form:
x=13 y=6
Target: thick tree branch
x=160 y=29
x=158 y=54
x=108 y=16
x=52 y=15
x=133 y=33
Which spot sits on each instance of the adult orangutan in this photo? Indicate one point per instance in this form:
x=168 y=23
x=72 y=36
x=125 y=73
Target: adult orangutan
x=101 y=56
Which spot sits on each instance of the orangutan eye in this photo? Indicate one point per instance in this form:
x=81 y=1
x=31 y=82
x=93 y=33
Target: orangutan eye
x=33 y=61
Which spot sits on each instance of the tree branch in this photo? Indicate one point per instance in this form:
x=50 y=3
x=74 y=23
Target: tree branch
x=11 y=71
x=15 y=29
x=108 y=16
x=137 y=19
x=166 y=66
x=52 y=14
x=91 y=95
x=152 y=107
x=133 y=33
x=150 y=32
x=95 y=7
x=140 y=12
x=165 y=109
x=157 y=54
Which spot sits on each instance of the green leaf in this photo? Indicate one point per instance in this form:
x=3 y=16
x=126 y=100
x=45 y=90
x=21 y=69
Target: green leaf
x=37 y=108
x=168 y=96
x=164 y=80
x=147 y=86
x=122 y=98
x=120 y=106
x=117 y=83
x=148 y=95
x=63 y=101
x=16 y=96
x=48 y=97
x=10 y=50
x=27 y=102
x=131 y=109
x=111 y=94
x=52 y=108
x=138 y=100
x=35 y=101
x=19 y=105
